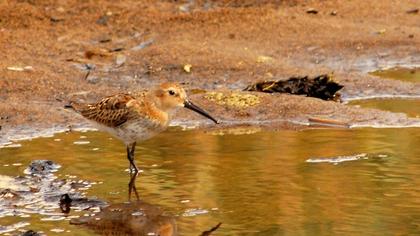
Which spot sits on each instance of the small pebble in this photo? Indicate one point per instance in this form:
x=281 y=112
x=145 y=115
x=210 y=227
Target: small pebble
x=413 y=11
x=312 y=11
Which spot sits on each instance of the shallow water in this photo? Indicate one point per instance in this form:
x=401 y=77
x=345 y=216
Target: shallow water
x=400 y=73
x=411 y=107
x=313 y=182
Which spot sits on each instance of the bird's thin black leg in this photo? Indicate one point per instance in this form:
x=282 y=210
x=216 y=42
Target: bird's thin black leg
x=132 y=184
x=130 y=157
x=133 y=148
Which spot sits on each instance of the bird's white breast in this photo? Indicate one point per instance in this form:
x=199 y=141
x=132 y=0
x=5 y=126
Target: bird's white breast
x=134 y=130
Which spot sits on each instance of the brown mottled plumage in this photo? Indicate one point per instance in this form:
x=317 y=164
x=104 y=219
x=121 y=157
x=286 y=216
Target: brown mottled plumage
x=111 y=111
x=133 y=118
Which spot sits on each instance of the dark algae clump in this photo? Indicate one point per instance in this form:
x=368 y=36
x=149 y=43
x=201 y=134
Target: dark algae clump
x=321 y=86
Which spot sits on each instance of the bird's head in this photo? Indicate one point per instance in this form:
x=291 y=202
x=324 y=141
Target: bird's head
x=169 y=96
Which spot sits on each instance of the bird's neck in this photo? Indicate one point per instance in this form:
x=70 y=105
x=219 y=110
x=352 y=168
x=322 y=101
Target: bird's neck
x=156 y=112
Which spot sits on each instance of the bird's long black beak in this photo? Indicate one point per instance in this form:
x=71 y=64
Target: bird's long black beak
x=200 y=111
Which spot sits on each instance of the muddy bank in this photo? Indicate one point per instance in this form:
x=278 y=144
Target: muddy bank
x=86 y=51
x=286 y=111
x=238 y=109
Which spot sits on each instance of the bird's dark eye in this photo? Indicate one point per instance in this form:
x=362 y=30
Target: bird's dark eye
x=171 y=92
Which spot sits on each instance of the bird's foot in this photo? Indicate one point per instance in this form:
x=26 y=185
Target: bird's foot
x=134 y=170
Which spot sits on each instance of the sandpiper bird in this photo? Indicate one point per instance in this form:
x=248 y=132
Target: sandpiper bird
x=134 y=118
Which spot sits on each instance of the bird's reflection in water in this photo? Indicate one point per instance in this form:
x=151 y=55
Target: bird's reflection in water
x=134 y=217
x=132 y=187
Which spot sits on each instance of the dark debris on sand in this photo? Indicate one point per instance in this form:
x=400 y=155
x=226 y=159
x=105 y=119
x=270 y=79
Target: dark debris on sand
x=321 y=86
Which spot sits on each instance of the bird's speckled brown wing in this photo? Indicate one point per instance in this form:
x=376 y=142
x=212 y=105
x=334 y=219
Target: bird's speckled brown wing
x=111 y=111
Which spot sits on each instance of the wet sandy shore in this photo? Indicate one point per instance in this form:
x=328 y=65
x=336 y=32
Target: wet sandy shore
x=54 y=52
